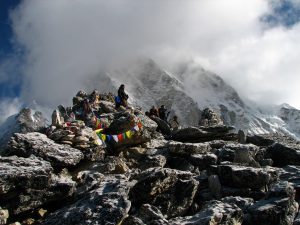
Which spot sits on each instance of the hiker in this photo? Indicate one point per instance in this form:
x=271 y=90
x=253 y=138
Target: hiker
x=94 y=97
x=122 y=97
x=154 y=111
x=174 y=123
x=162 y=112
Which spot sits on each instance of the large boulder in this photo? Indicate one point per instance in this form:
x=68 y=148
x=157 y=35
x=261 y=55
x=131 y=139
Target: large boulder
x=147 y=214
x=126 y=121
x=202 y=134
x=213 y=213
x=163 y=126
x=245 y=177
x=107 y=204
x=279 y=206
x=203 y=161
x=242 y=203
x=38 y=144
x=17 y=172
x=171 y=191
x=284 y=154
x=28 y=183
x=291 y=174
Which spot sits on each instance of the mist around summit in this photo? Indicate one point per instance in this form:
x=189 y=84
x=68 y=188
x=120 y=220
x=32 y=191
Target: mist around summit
x=60 y=47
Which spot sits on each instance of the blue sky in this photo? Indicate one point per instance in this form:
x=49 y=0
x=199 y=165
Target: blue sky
x=246 y=42
x=7 y=48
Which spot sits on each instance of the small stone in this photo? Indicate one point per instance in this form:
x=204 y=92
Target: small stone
x=67 y=143
x=82 y=146
x=80 y=139
x=28 y=221
x=4 y=215
x=69 y=137
x=42 y=212
x=242 y=137
x=215 y=185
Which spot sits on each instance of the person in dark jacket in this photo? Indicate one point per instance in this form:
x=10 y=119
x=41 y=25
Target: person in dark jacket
x=122 y=97
x=162 y=111
x=154 y=111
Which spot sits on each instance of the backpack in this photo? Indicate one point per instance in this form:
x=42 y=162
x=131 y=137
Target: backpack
x=118 y=99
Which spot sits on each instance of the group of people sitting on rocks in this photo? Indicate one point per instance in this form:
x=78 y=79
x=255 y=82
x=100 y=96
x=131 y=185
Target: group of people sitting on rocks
x=86 y=107
x=163 y=114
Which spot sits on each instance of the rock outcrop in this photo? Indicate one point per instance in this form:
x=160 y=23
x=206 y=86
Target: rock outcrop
x=60 y=156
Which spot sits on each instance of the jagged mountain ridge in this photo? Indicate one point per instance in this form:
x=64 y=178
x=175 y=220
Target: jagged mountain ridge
x=27 y=120
x=189 y=90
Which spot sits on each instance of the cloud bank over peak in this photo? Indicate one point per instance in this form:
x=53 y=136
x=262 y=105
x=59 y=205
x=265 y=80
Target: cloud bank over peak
x=65 y=42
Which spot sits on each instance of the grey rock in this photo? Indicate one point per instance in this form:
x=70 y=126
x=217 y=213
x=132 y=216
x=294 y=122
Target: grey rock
x=203 y=161
x=179 y=163
x=242 y=138
x=171 y=191
x=88 y=180
x=39 y=145
x=244 y=154
x=297 y=219
x=214 y=212
x=242 y=203
x=27 y=183
x=215 y=186
x=292 y=175
x=149 y=213
x=245 y=177
x=163 y=126
x=193 y=134
x=284 y=154
x=188 y=148
x=273 y=211
x=132 y=220
x=107 y=204
x=210 y=118
x=57 y=118
x=17 y=172
x=112 y=165
x=152 y=161
x=225 y=155
x=279 y=207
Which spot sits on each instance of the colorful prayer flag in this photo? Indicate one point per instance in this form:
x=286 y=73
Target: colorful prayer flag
x=115 y=137
x=108 y=137
x=136 y=128
x=120 y=137
x=128 y=134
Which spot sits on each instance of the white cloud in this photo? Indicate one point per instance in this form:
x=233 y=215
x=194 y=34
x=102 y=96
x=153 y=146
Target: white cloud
x=9 y=107
x=66 y=41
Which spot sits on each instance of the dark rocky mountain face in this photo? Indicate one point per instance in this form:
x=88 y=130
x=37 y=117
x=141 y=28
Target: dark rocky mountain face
x=129 y=173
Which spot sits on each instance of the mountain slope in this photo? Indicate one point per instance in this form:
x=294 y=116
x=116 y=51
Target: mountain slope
x=189 y=89
x=27 y=120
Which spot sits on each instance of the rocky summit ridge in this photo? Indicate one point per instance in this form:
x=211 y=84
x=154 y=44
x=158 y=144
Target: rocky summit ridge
x=118 y=166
